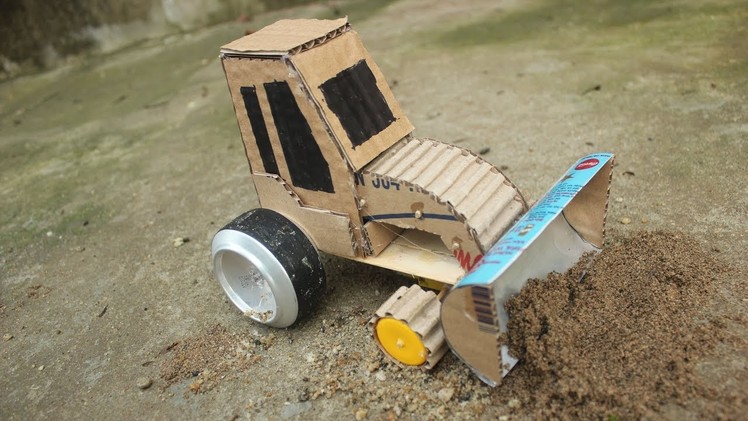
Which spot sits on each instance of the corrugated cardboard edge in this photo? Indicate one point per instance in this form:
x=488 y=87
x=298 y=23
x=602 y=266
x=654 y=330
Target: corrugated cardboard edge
x=484 y=231
x=419 y=309
x=288 y=36
x=330 y=232
x=440 y=177
x=399 y=207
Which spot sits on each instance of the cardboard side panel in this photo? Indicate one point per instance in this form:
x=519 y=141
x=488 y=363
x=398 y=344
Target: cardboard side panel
x=330 y=232
x=478 y=343
x=244 y=73
x=586 y=212
x=442 y=189
x=380 y=235
x=342 y=199
x=333 y=63
x=474 y=190
x=294 y=138
x=406 y=206
x=419 y=254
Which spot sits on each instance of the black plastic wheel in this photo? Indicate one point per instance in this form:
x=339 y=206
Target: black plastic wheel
x=268 y=267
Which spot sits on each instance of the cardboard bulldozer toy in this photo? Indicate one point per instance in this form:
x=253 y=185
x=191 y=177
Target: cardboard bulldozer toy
x=337 y=170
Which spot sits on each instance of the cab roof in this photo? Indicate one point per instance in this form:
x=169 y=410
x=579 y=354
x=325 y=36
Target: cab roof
x=287 y=36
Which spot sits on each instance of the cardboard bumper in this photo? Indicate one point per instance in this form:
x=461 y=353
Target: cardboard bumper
x=566 y=223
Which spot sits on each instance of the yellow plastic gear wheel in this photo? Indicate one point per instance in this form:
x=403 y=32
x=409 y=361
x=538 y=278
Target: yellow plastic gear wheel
x=400 y=341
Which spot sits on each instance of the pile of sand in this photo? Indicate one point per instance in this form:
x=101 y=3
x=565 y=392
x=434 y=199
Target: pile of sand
x=620 y=333
x=208 y=357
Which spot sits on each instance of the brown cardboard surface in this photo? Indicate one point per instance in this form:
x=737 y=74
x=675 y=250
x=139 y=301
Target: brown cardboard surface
x=379 y=235
x=479 y=346
x=330 y=232
x=420 y=254
x=399 y=206
x=459 y=196
x=246 y=71
x=587 y=211
x=318 y=65
x=473 y=189
x=286 y=35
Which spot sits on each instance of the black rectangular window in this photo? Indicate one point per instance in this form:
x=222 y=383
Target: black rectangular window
x=252 y=104
x=305 y=161
x=354 y=97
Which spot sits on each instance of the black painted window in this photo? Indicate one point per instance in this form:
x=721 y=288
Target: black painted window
x=252 y=104
x=354 y=97
x=307 y=166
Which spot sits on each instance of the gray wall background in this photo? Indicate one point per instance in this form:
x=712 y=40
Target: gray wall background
x=39 y=34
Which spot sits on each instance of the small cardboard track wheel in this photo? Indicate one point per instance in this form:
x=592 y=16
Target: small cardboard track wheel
x=406 y=328
x=268 y=268
x=400 y=342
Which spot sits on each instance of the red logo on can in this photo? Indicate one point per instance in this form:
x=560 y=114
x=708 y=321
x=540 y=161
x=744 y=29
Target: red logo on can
x=587 y=163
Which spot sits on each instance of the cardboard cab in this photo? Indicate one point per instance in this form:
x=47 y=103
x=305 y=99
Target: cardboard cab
x=330 y=148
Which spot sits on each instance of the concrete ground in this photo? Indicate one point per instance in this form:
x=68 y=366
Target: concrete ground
x=105 y=162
